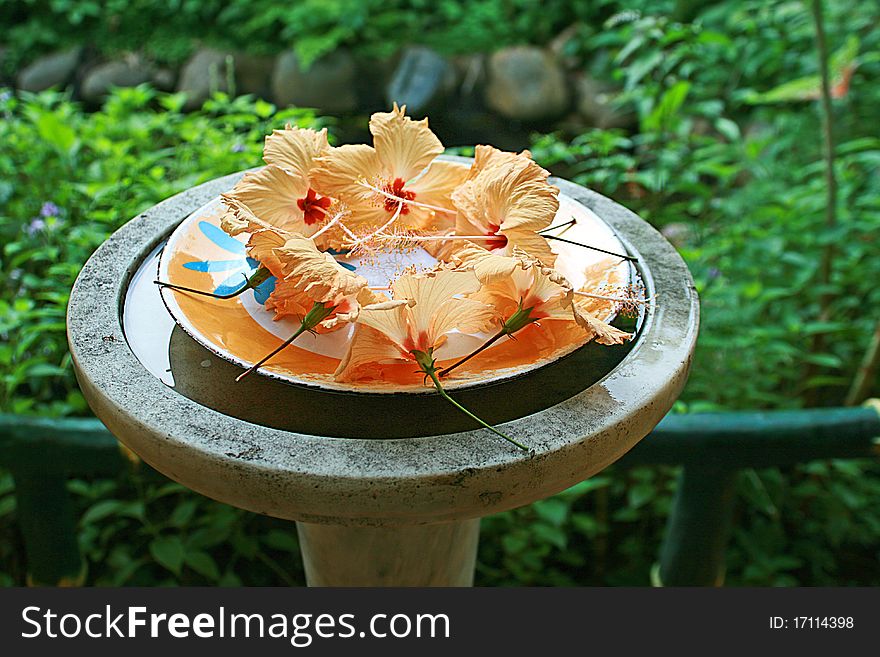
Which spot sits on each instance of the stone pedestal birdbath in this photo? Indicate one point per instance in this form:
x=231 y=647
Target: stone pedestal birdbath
x=399 y=501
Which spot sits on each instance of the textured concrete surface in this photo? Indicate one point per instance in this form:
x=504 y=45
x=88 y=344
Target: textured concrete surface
x=356 y=481
x=439 y=554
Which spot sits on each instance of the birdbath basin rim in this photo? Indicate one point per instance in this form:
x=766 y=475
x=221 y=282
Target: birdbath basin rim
x=367 y=481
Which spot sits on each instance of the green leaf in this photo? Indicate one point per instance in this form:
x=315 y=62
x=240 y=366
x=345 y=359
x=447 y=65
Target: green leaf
x=552 y=510
x=182 y=513
x=281 y=540
x=51 y=128
x=552 y=535
x=661 y=116
x=169 y=552
x=203 y=563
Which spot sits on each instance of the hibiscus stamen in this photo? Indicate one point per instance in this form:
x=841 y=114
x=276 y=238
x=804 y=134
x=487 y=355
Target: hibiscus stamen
x=250 y=282
x=333 y=222
x=590 y=295
x=427 y=364
x=367 y=239
x=570 y=222
x=418 y=204
x=434 y=238
x=628 y=301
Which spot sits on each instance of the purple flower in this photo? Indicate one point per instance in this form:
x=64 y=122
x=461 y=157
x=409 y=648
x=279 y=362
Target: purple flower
x=714 y=273
x=49 y=209
x=238 y=148
x=35 y=226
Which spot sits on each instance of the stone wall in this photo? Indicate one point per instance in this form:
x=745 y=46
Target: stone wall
x=506 y=94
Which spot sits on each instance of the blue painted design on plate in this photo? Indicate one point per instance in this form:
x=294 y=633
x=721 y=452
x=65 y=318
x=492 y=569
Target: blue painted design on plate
x=240 y=268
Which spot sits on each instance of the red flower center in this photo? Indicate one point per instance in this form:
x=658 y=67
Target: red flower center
x=500 y=240
x=396 y=188
x=313 y=207
x=419 y=343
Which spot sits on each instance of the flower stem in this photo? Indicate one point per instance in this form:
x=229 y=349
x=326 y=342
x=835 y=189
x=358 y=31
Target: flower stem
x=587 y=246
x=315 y=316
x=570 y=222
x=431 y=371
x=250 y=282
x=486 y=345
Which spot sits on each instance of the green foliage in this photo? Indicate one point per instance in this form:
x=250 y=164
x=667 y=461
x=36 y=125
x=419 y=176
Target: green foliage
x=67 y=180
x=744 y=188
x=740 y=184
x=373 y=28
x=142 y=530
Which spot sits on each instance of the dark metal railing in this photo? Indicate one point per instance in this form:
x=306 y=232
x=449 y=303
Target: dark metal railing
x=712 y=448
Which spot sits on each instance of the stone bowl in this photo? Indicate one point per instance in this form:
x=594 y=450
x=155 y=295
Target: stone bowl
x=399 y=464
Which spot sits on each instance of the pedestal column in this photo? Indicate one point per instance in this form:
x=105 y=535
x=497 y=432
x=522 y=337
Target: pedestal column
x=441 y=554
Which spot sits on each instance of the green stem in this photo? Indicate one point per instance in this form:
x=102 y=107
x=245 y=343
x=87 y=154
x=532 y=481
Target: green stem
x=250 y=282
x=587 y=246
x=826 y=267
x=315 y=316
x=570 y=222
x=431 y=371
x=485 y=346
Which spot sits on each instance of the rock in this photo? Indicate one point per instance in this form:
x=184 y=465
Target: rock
x=371 y=82
x=164 y=79
x=328 y=85
x=421 y=81
x=471 y=70
x=253 y=74
x=527 y=84
x=97 y=82
x=204 y=73
x=596 y=106
x=54 y=70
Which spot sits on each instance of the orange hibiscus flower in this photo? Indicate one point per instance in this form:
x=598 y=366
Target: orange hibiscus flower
x=281 y=194
x=425 y=307
x=506 y=198
x=394 y=182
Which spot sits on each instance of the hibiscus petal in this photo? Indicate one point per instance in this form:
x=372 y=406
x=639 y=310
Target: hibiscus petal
x=339 y=172
x=316 y=274
x=531 y=243
x=486 y=157
x=367 y=348
x=510 y=191
x=271 y=194
x=295 y=149
x=405 y=147
x=488 y=267
x=389 y=318
x=429 y=291
x=597 y=329
x=466 y=315
x=436 y=184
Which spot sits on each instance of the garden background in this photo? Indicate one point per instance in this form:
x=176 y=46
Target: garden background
x=705 y=118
